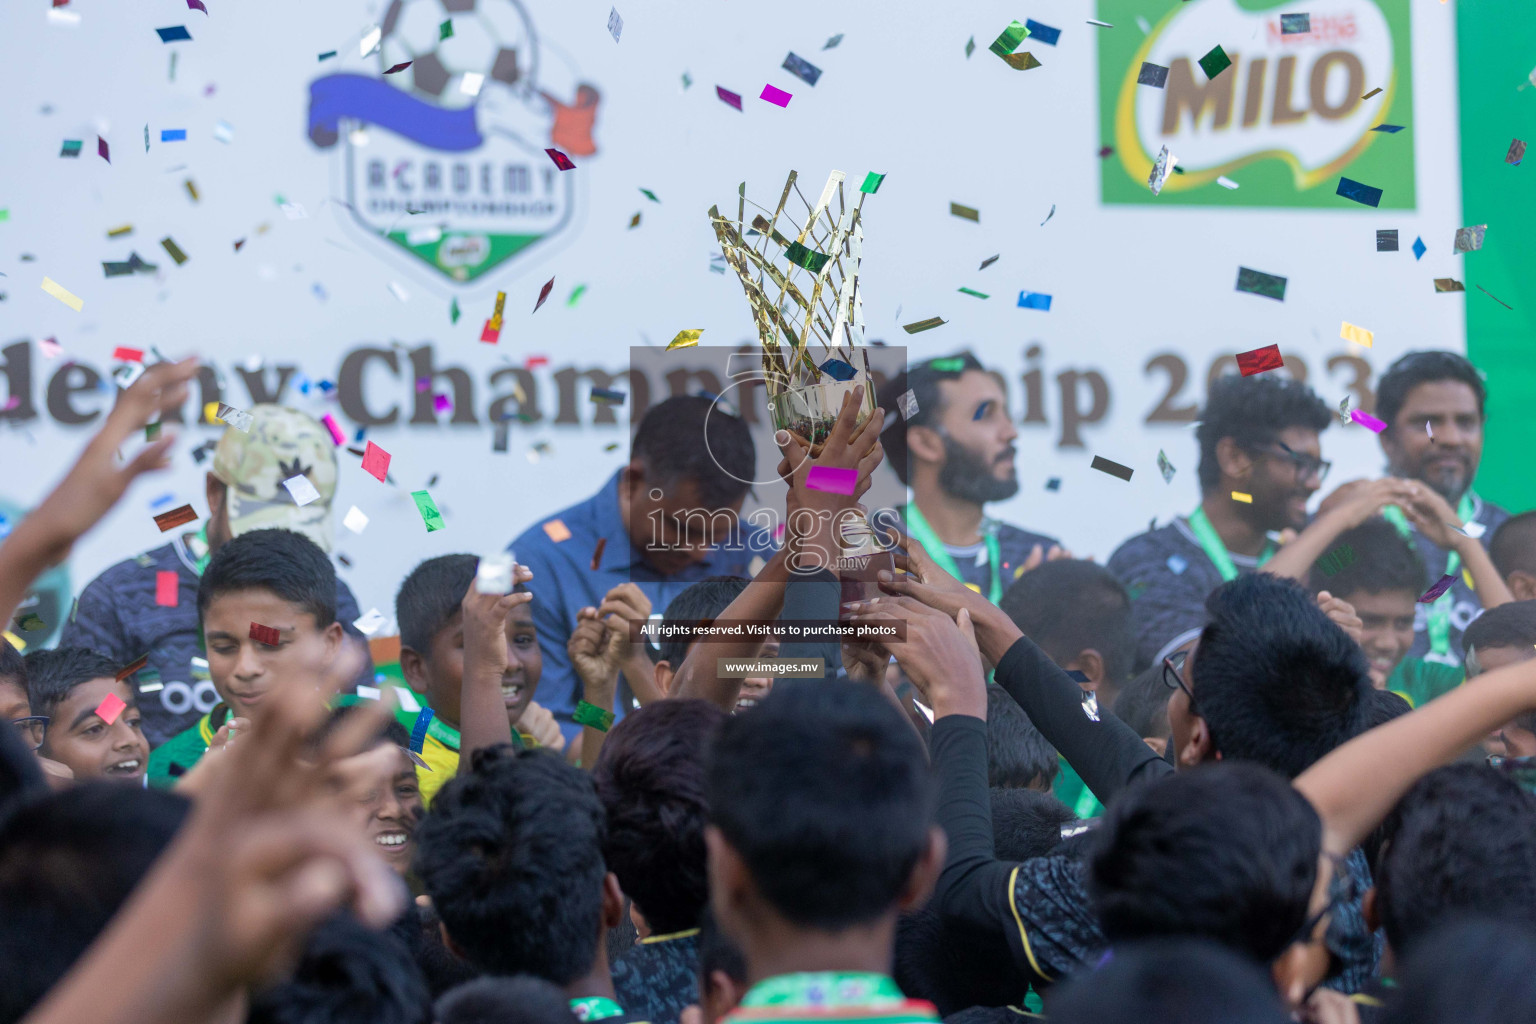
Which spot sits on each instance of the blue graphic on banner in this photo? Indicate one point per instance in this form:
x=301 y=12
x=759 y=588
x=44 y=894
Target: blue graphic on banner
x=375 y=101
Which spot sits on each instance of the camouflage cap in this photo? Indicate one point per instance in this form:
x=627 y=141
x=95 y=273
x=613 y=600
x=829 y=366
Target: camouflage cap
x=281 y=443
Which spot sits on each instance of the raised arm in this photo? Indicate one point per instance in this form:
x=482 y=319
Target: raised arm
x=482 y=711
x=1295 y=559
x=1435 y=519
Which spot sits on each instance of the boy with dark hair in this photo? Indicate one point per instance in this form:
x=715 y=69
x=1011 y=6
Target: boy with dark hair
x=1026 y=823
x=347 y=974
x=1143 y=705
x=512 y=856
x=1502 y=636
x=429 y=609
x=650 y=779
x=1471 y=972
x=1513 y=550
x=1017 y=755
x=380 y=784
x=821 y=833
x=1179 y=981
x=702 y=602
x=94 y=725
x=267 y=603
x=519 y=1000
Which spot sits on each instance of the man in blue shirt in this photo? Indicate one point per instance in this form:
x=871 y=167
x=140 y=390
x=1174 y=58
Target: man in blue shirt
x=664 y=521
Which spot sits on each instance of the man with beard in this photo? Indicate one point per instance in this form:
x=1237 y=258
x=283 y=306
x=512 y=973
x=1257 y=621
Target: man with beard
x=956 y=454
x=1432 y=403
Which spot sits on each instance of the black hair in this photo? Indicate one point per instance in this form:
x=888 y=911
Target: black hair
x=1174 y=981
x=522 y=999
x=512 y=856
x=51 y=675
x=1143 y=703
x=1415 y=368
x=923 y=381
x=650 y=779
x=717 y=952
x=1461 y=841
x=1070 y=605
x=1513 y=547
x=430 y=597
x=1026 y=823
x=823 y=791
x=1473 y=971
x=1017 y=755
x=12 y=666
x=1224 y=851
x=689 y=437
x=1276 y=680
x=1512 y=624
x=701 y=602
x=67 y=864
x=1253 y=411
x=21 y=777
x=390 y=732
x=944 y=963
x=1370 y=558
x=347 y=974
x=420 y=930
x=283 y=562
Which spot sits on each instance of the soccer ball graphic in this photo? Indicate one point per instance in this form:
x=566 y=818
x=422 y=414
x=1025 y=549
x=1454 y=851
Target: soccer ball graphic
x=493 y=38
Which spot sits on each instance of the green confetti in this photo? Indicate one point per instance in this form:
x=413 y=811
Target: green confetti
x=979 y=295
x=686 y=80
x=649 y=195
x=918 y=326
x=453 y=311
x=5 y=213
x=954 y=365
x=428 y=509
x=576 y=294
x=872 y=183
x=970 y=47
x=1215 y=62
x=1010 y=39
x=30 y=622
x=151 y=431
x=445 y=29
x=810 y=259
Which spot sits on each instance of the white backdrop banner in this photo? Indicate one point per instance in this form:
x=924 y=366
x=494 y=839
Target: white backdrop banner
x=332 y=237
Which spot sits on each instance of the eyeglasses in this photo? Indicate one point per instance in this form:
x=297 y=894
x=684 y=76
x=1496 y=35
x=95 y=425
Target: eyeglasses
x=1173 y=675
x=1305 y=466
x=32 y=729
x=1342 y=890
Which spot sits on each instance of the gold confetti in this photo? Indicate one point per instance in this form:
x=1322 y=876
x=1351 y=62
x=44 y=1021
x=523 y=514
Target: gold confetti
x=1358 y=335
x=63 y=294
x=924 y=325
x=685 y=339
x=1246 y=499
x=119 y=231
x=192 y=190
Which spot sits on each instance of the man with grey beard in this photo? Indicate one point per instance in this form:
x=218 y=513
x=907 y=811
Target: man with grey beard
x=955 y=452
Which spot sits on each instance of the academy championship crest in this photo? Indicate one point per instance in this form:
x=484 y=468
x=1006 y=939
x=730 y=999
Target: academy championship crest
x=444 y=158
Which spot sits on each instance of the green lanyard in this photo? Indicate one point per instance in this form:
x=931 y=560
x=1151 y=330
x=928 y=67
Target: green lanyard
x=919 y=528
x=1438 y=622
x=594 y=1007
x=1215 y=550
x=824 y=989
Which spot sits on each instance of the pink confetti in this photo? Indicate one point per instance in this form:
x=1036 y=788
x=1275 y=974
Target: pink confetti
x=337 y=437
x=561 y=160
x=110 y=707
x=128 y=355
x=544 y=293
x=51 y=348
x=376 y=461
x=422 y=384
x=728 y=97
x=1367 y=421
x=832 y=479
x=442 y=403
x=399 y=68
x=1440 y=587
x=775 y=95
x=197 y=5
x=103 y=150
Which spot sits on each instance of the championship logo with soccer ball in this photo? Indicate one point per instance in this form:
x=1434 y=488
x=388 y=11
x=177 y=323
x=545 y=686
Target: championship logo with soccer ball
x=442 y=152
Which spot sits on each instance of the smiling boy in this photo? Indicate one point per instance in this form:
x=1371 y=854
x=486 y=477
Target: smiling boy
x=96 y=740
x=267 y=603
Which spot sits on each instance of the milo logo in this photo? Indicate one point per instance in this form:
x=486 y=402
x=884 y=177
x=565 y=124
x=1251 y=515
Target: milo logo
x=1292 y=112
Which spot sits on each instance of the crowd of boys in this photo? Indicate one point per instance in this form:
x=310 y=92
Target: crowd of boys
x=1259 y=767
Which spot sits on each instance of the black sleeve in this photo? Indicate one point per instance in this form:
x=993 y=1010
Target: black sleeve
x=814 y=597
x=1107 y=754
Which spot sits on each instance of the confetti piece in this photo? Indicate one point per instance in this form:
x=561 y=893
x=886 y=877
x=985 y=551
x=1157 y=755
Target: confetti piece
x=776 y=96
x=355 y=520
x=966 y=212
x=294 y=211
x=301 y=489
x=1516 y=152
x=1469 y=239
x=167 y=587
x=1386 y=240
x=975 y=294
x=419 y=730
x=1163 y=167
x=1049 y=216
x=124 y=354
x=128 y=669
x=120 y=231
x=1259 y=360
x=561 y=160
x=441 y=404
x=196 y=5
x=606 y=396
x=1449 y=284
x=174 y=518
x=1100 y=24
x=327 y=55
x=1176 y=565
x=597 y=553
x=169 y=245
x=988 y=262
x=801 y=69
x=103 y=150
x=428 y=509
x=727 y=97
x=396 y=69
x=237 y=418
x=918 y=326
x=1021 y=61
x=192 y=191
x=831 y=43
x=174 y=34
x=50 y=347
x=543 y=295
x=110 y=707
x=1356 y=334
x=1226 y=182
x=634 y=221
x=376 y=461
x=1053 y=484
x=1419 y=248
x=1368 y=95
x=872 y=183
x=1035 y=300
x=1363 y=194
x=68 y=19
x=63 y=294
x=576 y=294
x=1239 y=496
x=970 y=47
x=907 y=403
x=1389 y=129
x=1104 y=465
x=71 y=148
x=1256 y=282
x=557 y=531
x=1042 y=33
x=947 y=365
x=1494 y=297
x=1165 y=467
x=1215 y=62
x=1367 y=421
x=173 y=135
x=832 y=479
x=398 y=291
x=334 y=429
x=686 y=80
x=1438 y=588
x=615 y=24
x=368 y=624
x=1295 y=24
x=1009 y=39
x=685 y=339
x=471 y=83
